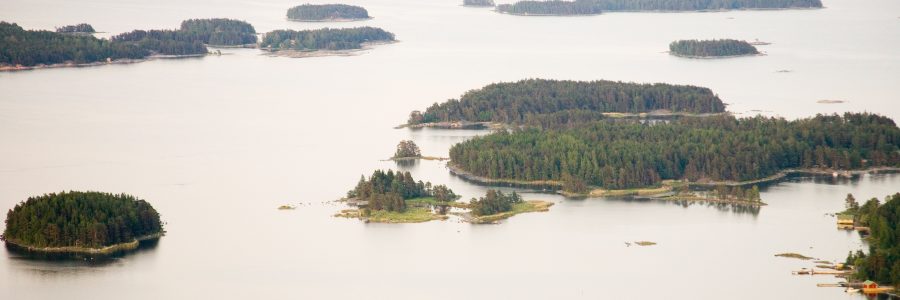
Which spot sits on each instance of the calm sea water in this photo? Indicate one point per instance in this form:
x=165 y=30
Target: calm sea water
x=217 y=143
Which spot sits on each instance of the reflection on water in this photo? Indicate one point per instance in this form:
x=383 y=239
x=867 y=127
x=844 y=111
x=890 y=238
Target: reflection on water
x=62 y=264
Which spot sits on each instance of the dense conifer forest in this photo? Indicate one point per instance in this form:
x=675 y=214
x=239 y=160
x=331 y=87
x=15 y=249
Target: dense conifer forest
x=529 y=7
x=539 y=100
x=478 y=2
x=389 y=190
x=82 y=219
x=324 y=39
x=79 y=28
x=165 y=42
x=35 y=47
x=324 y=12
x=711 y=48
x=882 y=264
x=222 y=32
x=618 y=154
x=553 y=7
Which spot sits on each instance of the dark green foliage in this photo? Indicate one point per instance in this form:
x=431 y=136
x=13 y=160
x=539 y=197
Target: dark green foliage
x=685 y=5
x=387 y=190
x=407 y=149
x=35 y=47
x=883 y=262
x=625 y=154
x=324 y=39
x=536 y=100
x=478 y=2
x=553 y=7
x=220 y=31
x=322 y=12
x=167 y=42
x=80 y=28
x=737 y=193
x=711 y=48
x=83 y=219
x=494 y=202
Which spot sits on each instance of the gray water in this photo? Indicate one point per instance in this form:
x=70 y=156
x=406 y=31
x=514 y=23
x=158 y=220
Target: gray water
x=217 y=143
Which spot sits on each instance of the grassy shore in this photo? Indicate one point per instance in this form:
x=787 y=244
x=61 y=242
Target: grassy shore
x=107 y=250
x=411 y=215
x=519 y=208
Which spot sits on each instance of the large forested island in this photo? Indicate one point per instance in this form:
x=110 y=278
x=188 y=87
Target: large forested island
x=27 y=48
x=324 y=39
x=529 y=7
x=326 y=12
x=711 y=48
x=539 y=101
x=220 y=32
x=551 y=8
x=622 y=154
x=81 y=222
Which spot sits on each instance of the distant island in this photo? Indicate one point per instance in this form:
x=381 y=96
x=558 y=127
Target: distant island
x=496 y=206
x=326 y=12
x=91 y=223
x=328 y=41
x=711 y=48
x=31 y=49
x=484 y=3
x=587 y=7
x=220 y=32
x=543 y=102
x=551 y=8
x=79 y=28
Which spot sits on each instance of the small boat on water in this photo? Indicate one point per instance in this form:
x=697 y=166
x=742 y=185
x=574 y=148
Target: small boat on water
x=851 y=290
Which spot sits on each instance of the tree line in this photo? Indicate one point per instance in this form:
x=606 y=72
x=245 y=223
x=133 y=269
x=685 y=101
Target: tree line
x=78 y=28
x=533 y=7
x=478 y=2
x=82 y=219
x=389 y=190
x=882 y=263
x=320 y=12
x=407 y=148
x=324 y=39
x=618 y=154
x=36 y=47
x=711 y=48
x=224 y=32
x=517 y=102
x=553 y=7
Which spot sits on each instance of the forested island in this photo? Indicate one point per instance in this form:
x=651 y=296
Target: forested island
x=882 y=263
x=624 y=154
x=326 y=39
x=23 y=49
x=79 y=28
x=395 y=197
x=543 y=102
x=711 y=48
x=326 y=12
x=220 y=32
x=529 y=7
x=482 y=3
x=496 y=206
x=551 y=8
x=81 y=222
